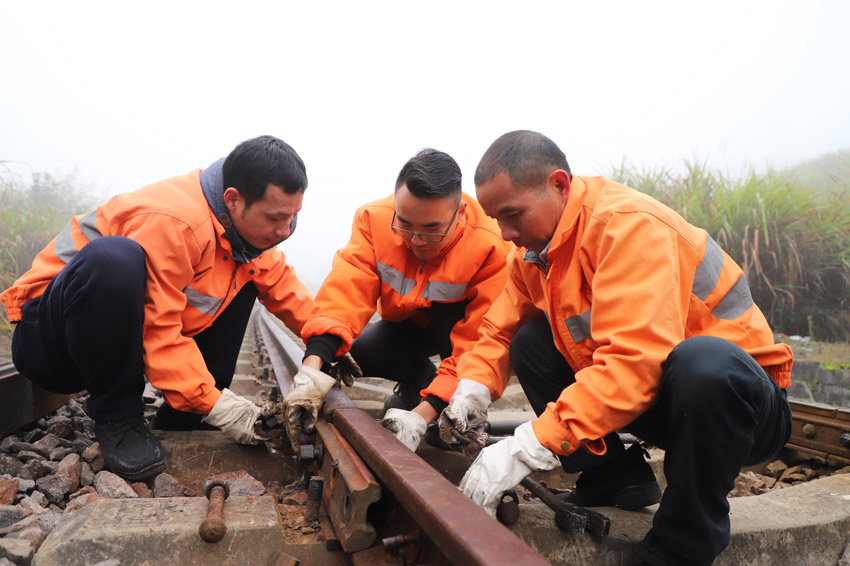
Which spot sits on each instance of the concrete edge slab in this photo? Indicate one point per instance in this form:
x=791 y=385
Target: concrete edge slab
x=148 y=532
x=805 y=524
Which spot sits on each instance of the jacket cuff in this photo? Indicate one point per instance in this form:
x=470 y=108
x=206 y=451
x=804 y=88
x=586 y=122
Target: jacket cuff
x=323 y=345
x=437 y=403
x=200 y=406
x=553 y=435
x=442 y=387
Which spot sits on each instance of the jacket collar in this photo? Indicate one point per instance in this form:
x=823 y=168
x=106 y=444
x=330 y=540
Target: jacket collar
x=566 y=224
x=541 y=259
x=212 y=182
x=569 y=218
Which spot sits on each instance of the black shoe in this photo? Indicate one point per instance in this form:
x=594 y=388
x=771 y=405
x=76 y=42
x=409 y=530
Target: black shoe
x=626 y=481
x=167 y=418
x=130 y=449
x=405 y=396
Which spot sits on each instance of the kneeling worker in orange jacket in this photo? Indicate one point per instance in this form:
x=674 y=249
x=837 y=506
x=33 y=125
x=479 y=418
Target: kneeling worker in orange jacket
x=432 y=263
x=620 y=314
x=160 y=282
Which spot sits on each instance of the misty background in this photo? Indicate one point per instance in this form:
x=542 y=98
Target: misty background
x=120 y=95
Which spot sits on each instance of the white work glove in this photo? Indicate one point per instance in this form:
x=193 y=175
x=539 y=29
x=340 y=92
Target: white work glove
x=302 y=402
x=461 y=424
x=236 y=416
x=407 y=426
x=503 y=465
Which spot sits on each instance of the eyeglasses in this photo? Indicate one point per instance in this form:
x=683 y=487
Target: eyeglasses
x=429 y=237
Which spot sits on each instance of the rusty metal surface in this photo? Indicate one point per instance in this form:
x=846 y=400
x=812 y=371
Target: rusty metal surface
x=818 y=429
x=349 y=490
x=463 y=531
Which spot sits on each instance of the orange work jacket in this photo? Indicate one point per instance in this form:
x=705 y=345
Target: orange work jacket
x=376 y=270
x=623 y=280
x=191 y=279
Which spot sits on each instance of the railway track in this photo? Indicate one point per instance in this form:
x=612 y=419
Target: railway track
x=360 y=464
x=376 y=502
x=820 y=430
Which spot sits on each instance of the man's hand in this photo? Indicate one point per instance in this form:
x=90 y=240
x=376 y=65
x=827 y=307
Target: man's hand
x=302 y=402
x=503 y=465
x=236 y=417
x=345 y=369
x=461 y=424
x=408 y=427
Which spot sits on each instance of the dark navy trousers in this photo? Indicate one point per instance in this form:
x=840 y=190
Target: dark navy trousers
x=717 y=411
x=85 y=332
x=400 y=351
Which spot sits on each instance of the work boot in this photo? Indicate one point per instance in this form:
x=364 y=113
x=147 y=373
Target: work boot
x=130 y=449
x=406 y=394
x=626 y=481
x=167 y=418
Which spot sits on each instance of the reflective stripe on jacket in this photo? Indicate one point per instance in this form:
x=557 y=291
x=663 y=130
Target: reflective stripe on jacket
x=376 y=270
x=627 y=280
x=191 y=278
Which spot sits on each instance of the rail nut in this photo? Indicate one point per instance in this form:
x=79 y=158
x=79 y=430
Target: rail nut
x=309 y=454
x=845 y=440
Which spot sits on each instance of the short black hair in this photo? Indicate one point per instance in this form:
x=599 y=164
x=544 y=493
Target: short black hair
x=527 y=157
x=430 y=174
x=255 y=163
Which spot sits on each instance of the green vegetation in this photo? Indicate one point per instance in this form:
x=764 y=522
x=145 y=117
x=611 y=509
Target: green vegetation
x=792 y=238
x=833 y=366
x=30 y=216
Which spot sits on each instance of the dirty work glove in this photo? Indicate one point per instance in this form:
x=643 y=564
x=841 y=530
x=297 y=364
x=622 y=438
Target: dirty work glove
x=407 y=426
x=345 y=369
x=461 y=424
x=302 y=402
x=236 y=416
x=503 y=465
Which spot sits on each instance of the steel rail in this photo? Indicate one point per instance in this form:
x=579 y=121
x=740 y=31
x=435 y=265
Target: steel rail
x=21 y=402
x=462 y=531
x=820 y=430
x=284 y=354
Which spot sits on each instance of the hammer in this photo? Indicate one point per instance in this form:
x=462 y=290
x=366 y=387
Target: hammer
x=568 y=516
x=213 y=528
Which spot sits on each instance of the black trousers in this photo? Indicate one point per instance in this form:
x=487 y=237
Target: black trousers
x=400 y=351
x=717 y=410
x=85 y=332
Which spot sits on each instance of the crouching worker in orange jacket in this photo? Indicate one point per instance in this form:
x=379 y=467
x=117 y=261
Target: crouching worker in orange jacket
x=432 y=263
x=618 y=314
x=160 y=282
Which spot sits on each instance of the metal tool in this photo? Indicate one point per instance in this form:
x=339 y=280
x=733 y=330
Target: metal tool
x=213 y=527
x=569 y=516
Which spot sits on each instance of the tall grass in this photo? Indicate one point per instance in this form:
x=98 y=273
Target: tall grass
x=791 y=238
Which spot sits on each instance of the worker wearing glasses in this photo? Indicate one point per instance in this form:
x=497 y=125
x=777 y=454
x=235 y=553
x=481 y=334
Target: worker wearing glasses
x=431 y=263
